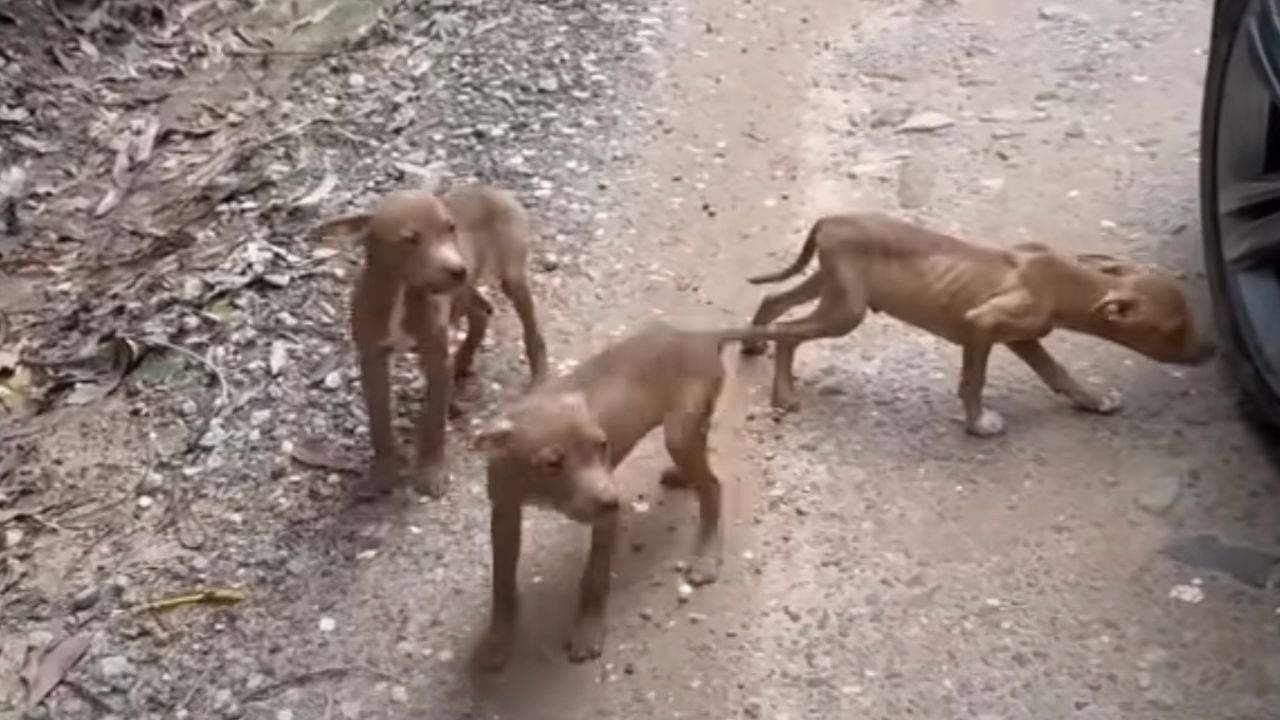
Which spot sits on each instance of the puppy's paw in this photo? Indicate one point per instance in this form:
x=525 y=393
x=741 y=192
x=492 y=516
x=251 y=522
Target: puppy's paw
x=432 y=480
x=1107 y=403
x=586 y=642
x=786 y=401
x=704 y=569
x=673 y=478
x=988 y=424
x=494 y=650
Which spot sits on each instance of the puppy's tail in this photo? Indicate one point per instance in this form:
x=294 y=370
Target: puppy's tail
x=806 y=254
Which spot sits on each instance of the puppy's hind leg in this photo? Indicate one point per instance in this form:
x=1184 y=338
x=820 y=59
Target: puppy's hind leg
x=841 y=308
x=685 y=430
x=775 y=305
x=478 y=311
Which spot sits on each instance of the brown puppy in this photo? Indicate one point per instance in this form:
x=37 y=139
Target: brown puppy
x=558 y=446
x=976 y=297
x=424 y=256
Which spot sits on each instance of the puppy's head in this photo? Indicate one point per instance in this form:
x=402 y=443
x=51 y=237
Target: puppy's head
x=552 y=452
x=1149 y=313
x=411 y=236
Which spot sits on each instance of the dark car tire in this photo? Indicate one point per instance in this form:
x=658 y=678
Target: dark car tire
x=1244 y=354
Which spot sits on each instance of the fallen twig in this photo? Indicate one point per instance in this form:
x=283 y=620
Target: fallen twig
x=268 y=691
x=217 y=596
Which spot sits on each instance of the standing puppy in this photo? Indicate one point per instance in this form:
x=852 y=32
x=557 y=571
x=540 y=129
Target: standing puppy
x=976 y=297
x=558 y=447
x=424 y=256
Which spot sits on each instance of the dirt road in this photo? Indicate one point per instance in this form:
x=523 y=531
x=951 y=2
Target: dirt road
x=882 y=564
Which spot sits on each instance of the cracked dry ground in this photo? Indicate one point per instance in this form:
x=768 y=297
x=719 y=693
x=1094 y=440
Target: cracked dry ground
x=881 y=563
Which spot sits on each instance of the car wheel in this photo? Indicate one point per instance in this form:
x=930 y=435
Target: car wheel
x=1240 y=192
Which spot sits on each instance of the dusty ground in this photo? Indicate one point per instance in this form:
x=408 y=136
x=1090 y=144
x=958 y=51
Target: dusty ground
x=882 y=564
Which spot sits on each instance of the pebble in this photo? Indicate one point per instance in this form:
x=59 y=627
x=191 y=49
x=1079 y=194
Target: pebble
x=1160 y=494
x=117 y=671
x=214 y=436
x=85 y=599
x=1055 y=13
x=399 y=694
x=927 y=121
x=684 y=592
x=333 y=380
x=328 y=624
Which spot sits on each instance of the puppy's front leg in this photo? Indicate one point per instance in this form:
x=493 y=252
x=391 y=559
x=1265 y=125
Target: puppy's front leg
x=979 y=420
x=587 y=639
x=1060 y=381
x=375 y=384
x=504 y=534
x=432 y=475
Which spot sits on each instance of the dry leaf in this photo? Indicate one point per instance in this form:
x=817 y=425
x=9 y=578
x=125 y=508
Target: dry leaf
x=319 y=453
x=43 y=674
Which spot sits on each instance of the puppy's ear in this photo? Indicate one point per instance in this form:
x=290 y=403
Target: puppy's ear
x=344 y=225
x=1116 y=306
x=495 y=437
x=1106 y=264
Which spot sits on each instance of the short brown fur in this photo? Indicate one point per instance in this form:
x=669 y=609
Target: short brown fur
x=424 y=258
x=558 y=447
x=976 y=297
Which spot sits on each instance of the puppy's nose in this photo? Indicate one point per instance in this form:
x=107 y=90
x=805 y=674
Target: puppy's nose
x=457 y=273
x=609 y=505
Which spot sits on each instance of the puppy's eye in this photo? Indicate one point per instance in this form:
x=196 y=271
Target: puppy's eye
x=450 y=227
x=603 y=446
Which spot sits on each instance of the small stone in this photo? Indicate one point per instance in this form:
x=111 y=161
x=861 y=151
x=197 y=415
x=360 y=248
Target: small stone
x=927 y=121
x=214 y=436
x=117 y=671
x=1002 y=115
x=684 y=592
x=333 y=380
x=146 y=501
x=890 y=116
x=646 y=615
x=1074 y=129
x=399 y=694
x=279 y=357
x=1160 y=494
x=39 y=639
x=548 y=84
x=285 y=714
x=85 y=599
x=328 y=624
x=356 y=80
x=1055 y=13
x=13 y=536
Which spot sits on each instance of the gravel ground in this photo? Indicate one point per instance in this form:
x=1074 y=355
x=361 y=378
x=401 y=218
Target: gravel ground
x=175 y=361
